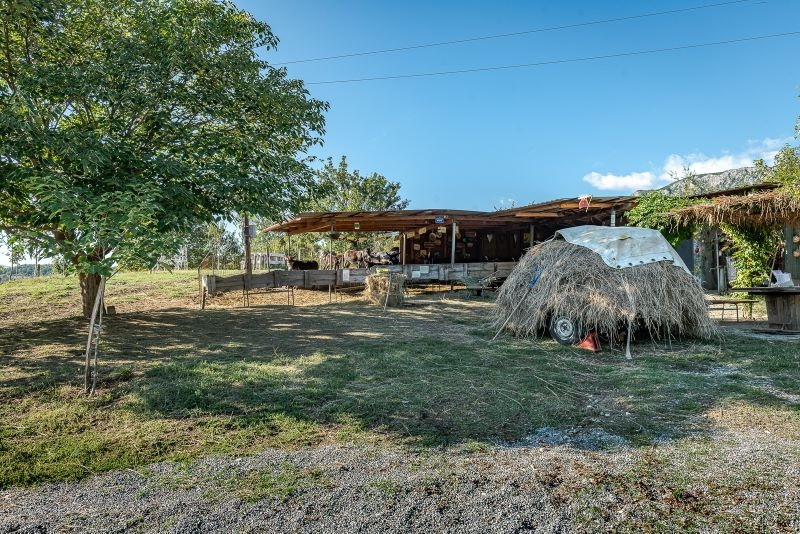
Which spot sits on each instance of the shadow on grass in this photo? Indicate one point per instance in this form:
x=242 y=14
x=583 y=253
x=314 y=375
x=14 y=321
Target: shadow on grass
x=414 y=374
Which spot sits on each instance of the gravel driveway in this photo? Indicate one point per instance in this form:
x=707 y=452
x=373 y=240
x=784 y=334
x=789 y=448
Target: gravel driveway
x=368 y=489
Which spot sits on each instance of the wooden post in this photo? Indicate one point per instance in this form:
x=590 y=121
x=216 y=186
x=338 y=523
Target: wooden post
x=97 y=300
x=453 y=246
x=404 y=248
x=716 y=261
x=248 y=261
x=331 y=263
x=268 y=256
x=530 y=237
x=613 y=216
x=330 y=249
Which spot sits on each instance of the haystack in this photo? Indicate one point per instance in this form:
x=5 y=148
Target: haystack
x=575 y=282
x=378 y=285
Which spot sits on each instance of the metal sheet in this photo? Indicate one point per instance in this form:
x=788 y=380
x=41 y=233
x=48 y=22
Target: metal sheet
x=623 y=246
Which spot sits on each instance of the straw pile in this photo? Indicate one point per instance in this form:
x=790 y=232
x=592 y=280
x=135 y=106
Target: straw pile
x=574 y=282
x=378 y=285
x=766 y=208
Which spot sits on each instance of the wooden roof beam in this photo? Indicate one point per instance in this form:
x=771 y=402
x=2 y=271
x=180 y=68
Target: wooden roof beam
x=592 y=205
x=535 y=214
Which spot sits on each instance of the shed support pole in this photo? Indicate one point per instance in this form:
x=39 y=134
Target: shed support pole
x=530 y=238
x=716 y=261
x=268 y=256
x=453 y=246
x=248 y=259
x=330 y=248
x=404 y=248
x=332 y=264
x=613 y=216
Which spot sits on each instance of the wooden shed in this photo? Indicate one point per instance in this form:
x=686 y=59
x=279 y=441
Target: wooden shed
x=435 y=236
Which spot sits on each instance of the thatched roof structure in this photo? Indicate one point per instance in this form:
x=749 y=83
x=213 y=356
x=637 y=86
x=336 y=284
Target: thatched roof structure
x=763 y=208
x=573 y=281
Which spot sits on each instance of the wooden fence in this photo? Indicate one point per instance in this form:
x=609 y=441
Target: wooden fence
x=438 y=273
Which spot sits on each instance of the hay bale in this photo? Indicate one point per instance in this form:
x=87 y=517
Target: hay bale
x=378 y=285
x=575 y=282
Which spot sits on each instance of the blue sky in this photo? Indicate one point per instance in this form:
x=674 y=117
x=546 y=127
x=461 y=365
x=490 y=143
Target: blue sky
x=477 y=141
x=482 y=140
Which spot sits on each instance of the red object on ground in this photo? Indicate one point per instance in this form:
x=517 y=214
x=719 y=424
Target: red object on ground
x=590 y=342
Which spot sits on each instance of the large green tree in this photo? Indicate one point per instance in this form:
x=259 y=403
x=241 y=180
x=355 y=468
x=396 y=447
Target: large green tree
x=124 y=122
x=342 y=189
x=785 y=169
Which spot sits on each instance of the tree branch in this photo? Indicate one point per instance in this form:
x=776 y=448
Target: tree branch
x=7 y=46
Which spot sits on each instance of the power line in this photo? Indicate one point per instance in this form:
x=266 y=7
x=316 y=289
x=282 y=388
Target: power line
x=513 y=34
x=558 y=61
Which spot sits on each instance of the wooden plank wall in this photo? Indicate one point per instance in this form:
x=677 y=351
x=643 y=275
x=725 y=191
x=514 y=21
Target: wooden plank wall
x=342 y=277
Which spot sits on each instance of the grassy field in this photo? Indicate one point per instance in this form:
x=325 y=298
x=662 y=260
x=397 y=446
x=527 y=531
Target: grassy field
x=179 y=383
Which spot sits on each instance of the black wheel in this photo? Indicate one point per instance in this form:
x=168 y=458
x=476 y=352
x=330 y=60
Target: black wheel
x=565 y=331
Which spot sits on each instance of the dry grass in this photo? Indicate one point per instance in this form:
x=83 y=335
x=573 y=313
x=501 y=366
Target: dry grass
x=574 y=282
x=767 y=208
x=385 y=290
x=178 y=383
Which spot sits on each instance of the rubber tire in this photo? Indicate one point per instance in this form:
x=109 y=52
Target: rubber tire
x=565 y=331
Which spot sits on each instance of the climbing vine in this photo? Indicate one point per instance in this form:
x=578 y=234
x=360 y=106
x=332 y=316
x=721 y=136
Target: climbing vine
x=651 y=211
x=753 y=250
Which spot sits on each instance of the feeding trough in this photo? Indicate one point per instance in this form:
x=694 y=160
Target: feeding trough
x=385 y=288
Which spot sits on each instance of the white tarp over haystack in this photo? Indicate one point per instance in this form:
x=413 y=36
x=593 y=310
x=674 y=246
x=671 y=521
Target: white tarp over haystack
x=623 y=246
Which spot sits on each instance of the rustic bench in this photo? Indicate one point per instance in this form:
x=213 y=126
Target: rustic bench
x=720 y=304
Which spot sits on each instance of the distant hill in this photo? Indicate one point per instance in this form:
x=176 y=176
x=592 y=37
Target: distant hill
x=711 y=182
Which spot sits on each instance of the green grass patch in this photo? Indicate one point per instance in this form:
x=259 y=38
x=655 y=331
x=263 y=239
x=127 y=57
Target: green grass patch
x=284 y=482
x=182 y=383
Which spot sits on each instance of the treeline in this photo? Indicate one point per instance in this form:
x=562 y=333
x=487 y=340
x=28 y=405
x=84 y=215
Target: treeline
x=24 y=270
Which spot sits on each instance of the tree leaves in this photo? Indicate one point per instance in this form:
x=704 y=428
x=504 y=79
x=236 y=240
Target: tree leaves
x=125 y=122
x=651 y=212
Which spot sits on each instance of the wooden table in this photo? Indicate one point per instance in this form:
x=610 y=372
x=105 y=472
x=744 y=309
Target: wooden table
x=783 y=305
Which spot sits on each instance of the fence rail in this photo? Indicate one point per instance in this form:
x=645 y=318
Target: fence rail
x=416 y=273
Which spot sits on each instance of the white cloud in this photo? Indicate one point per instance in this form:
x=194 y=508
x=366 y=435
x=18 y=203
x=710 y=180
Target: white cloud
x=634 y=180
x=675 y=166
x=506 y=203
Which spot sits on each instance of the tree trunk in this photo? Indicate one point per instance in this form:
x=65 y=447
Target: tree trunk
x=90 y=283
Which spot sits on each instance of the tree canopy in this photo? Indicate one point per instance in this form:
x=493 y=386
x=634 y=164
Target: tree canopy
x=785 y=170
x=125 y=122
x=340 y=189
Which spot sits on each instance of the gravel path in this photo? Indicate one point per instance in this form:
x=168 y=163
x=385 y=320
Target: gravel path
x=366 y=489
